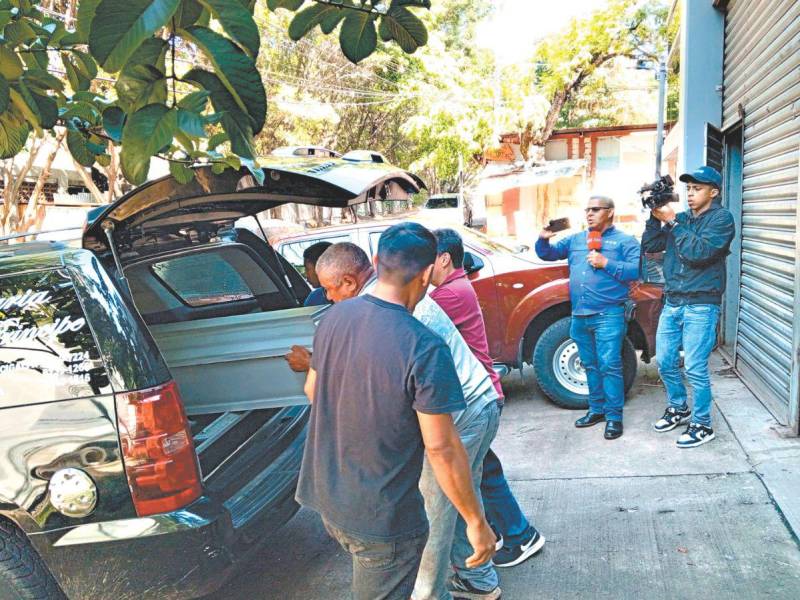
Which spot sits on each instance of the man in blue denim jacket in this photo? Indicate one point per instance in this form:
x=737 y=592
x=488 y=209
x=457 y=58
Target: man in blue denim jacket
x=599 y=282
x=696 y=244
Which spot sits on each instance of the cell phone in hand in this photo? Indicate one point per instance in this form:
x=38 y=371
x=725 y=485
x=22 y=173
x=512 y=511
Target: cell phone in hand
x=557 y=225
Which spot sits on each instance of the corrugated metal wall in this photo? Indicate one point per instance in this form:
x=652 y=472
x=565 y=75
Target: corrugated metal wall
x=762 y=80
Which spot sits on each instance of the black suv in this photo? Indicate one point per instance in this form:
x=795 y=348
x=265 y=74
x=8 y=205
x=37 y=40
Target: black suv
x=150 y=430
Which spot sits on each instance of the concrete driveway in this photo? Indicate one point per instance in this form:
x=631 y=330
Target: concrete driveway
x=633 y=518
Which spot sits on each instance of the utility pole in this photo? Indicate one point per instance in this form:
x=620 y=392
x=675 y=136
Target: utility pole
x=662 y=93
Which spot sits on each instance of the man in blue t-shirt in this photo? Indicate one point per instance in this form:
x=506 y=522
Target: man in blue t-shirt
x=310 y=257
x=383 y=387
x=603 y=262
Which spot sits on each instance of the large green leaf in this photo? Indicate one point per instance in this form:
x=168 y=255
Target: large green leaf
x=188 y=13
x=78 y=147
x=18 y=32
x=236 y=70
x=405 y=28
x=4 y=96
x=142 y=80
x=191 y=123
x=76 y=76
x=316 y=14
x=237 y=22
x=147 y=131
x=10 y=64
x=25 y=106
x=236 y=124
x=13 y=134
x=331 y=20
x=85 y=63
x=181 y=172
x=287 y=4
x=41 y=80
x=357 y=36
x=48 y=109
x=113 y=122
x=120 y=27
x=195 y=102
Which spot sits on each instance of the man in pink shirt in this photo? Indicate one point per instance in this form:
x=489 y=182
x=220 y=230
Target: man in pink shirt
x=455 y=294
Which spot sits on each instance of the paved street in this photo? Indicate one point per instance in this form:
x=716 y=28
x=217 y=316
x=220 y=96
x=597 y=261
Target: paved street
x=629 y=519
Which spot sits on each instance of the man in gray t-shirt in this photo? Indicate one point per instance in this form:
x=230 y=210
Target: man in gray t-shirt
x=382 y=388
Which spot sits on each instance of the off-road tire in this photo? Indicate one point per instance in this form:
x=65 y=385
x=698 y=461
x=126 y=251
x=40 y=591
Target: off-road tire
x=542 y=361
x=23 y=574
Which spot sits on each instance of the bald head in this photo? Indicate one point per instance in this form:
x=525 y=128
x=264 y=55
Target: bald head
x=342 y=270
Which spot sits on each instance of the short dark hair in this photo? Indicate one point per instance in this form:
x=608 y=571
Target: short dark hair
x=314 y=251
x=448 y=240
x=405 y=250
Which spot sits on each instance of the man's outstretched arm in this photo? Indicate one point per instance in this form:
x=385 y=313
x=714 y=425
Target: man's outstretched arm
x=452 y=470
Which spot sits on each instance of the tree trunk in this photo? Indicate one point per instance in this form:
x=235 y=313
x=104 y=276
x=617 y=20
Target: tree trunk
x=87 y=181
x=9 y=219
x=33 y=202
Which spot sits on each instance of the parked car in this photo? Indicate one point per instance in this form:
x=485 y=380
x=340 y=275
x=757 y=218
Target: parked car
x=150 y=430
x=525 y=305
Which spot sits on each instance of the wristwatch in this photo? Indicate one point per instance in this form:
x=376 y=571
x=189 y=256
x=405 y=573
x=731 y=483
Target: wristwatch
x=671 y=223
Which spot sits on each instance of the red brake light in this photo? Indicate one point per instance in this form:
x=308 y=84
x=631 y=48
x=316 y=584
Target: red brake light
x=157 y=449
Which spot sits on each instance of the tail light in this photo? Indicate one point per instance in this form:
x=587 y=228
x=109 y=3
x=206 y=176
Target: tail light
x=157 y=449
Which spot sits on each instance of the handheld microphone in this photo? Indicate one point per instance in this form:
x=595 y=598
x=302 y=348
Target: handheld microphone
x=594 y=241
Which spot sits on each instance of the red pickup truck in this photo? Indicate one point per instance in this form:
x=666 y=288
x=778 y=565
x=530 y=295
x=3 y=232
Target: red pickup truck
x=525 y=304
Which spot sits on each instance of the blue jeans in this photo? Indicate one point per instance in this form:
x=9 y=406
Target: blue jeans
x=448 y=543
x=692 y=327
x=381 y=570
x=502 y=509
x=599 y=338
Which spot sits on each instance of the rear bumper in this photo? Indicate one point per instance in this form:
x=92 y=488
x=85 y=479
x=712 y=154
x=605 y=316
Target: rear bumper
x=183 y=554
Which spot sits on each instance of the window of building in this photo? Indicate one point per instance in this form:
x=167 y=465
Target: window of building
x=608 y=154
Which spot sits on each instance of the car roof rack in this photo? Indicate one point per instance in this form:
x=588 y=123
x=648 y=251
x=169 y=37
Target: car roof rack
x=364 y=156
x=316 y=151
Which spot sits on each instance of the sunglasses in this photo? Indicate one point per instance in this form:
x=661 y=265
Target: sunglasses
x=594 y=209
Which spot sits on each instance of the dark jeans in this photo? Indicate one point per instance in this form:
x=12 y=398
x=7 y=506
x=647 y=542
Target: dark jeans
x=502 y=509
x=381 y=570
x=599 y=338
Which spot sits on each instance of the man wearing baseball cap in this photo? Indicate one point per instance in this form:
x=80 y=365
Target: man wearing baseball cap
x=696 y=243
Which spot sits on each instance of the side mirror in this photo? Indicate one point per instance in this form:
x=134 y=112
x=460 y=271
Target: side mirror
x=472 y=263
x=652 y=268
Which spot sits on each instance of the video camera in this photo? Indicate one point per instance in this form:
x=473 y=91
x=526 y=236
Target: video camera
x=658 y=193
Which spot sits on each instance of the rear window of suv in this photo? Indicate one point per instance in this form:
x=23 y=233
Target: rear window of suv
x=208 y=278
x=47 y=351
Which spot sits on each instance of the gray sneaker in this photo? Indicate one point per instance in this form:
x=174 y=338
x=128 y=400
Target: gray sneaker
x=464 y=590
x=672 y=418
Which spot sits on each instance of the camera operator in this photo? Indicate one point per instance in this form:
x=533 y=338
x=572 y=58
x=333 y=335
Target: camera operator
x=696 y=244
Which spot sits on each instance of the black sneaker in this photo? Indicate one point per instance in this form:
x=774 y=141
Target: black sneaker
x=499 y=543
x=511 y=556
x=695 y=435
x=672 y=418
x=464 y=590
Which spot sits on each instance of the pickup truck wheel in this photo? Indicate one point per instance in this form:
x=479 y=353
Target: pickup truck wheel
x=23 y=574
x=559 y=371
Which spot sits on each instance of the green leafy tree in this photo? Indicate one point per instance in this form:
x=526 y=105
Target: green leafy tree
x=207 y=112
x=565 y=63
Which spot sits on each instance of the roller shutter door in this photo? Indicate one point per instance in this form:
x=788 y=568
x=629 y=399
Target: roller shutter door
x=762 y=81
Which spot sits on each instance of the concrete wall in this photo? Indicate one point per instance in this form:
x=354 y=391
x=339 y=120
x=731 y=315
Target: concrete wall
x=702 y=44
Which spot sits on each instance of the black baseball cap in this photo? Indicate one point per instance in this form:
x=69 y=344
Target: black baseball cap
x=708 y=175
